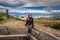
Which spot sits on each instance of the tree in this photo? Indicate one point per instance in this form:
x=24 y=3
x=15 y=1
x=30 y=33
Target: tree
x=7 y=14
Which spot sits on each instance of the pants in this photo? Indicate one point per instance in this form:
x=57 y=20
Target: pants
x=29 y=30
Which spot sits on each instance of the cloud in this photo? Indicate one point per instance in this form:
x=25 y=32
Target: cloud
x=45 y=2
x=29 y=11
x=29 y=3
x=13 y=2
x=18 y=6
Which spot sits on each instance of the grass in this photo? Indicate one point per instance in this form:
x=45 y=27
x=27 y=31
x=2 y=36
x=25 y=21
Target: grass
x=3 y=17
x=44 y=22
x=48 y=23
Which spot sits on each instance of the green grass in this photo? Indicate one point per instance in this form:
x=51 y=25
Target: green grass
x=3 y=17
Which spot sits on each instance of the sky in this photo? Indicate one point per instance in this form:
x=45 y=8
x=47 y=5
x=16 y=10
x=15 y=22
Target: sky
x=23 y=7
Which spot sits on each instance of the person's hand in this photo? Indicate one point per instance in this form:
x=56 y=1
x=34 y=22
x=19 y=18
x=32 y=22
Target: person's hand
x=25 y=24
x=33 y=27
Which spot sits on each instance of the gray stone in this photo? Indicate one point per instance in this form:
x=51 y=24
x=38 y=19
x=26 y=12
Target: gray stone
x=17 y=31
x=3 y=30
x=43 y=35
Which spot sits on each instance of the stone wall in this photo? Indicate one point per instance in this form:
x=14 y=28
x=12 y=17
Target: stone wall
x=3 y=30
x=40 y=35
x=12 y=30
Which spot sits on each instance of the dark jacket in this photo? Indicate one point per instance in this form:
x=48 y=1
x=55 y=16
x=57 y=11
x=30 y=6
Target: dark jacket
x=30 y=22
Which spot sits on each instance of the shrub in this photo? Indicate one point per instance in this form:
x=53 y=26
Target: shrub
x=53 y=25
x=1 y=19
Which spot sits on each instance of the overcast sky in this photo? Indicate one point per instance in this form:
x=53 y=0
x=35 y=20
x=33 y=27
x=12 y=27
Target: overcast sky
x=28 y=3
x=31 y=2
x=18 y=5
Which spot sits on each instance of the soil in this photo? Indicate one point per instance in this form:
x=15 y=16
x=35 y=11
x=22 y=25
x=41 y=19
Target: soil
x=21 y=24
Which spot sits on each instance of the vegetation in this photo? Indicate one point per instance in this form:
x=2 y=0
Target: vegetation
x=7 y=14
x=48 y=23
x=3 y=17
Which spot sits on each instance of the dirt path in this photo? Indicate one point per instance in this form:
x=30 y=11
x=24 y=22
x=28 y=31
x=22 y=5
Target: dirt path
x=15 y=23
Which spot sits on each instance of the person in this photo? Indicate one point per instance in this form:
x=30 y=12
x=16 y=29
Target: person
x=29 y=23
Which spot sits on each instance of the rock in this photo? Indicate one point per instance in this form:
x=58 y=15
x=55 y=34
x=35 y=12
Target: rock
x=3 y=30
x=17 y=30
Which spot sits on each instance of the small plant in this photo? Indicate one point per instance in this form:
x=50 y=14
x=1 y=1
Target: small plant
x=1 y=19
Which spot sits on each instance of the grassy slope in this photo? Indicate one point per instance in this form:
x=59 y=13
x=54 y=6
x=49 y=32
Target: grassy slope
x=48 y=23
x=3 y=17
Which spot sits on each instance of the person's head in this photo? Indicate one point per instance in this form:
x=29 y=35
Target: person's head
x=29 y=15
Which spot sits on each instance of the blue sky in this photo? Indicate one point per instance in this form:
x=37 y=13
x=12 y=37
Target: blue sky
x=23 y=7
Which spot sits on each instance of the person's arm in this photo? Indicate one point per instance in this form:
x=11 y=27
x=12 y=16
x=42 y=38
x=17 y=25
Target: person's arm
x=26 y=22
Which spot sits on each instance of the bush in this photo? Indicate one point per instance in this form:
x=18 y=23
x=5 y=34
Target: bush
x=53 y=25
x=1 y=19
x=49 y=23
x=56 y=26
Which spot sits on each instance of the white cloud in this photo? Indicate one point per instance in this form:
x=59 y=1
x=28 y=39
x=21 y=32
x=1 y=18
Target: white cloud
x=42 y=16
x=14 y=2
x=2 y=8
x=45 y=2
x=55 y=10
x=32 y=2
x=29 y=11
